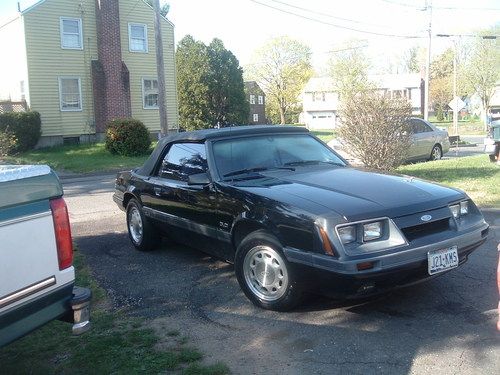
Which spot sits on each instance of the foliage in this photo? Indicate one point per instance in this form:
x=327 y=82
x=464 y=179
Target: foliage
x=210 y=85
x=412 y=59
x=127 y=137
x=228 y=103
x=25 y=126
x=374 y=129
x=483 y=69
x=164 y=9
x=193 y=75
x=474 y=174
x=281 y=67
x=349 y=71
x=8 y=142
x=441 y=93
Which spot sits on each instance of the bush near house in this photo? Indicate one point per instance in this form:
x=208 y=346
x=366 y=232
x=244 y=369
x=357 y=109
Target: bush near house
x=7 y=142
x=127 y=137
x=24 y=126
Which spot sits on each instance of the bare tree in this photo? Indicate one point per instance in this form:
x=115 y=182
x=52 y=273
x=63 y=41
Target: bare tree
x=375 y=129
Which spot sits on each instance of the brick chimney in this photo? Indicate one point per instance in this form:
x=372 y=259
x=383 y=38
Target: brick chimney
x=110 y=76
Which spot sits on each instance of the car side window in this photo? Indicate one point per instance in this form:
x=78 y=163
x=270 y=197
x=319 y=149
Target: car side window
x=418 y=126
x=183 y=160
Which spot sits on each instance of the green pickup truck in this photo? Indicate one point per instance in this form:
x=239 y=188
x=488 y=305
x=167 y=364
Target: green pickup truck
x=36 y=255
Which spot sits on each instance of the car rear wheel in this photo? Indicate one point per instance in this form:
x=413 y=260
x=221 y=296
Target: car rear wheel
x=141 y=232
x=264 y=274
x=436 y=153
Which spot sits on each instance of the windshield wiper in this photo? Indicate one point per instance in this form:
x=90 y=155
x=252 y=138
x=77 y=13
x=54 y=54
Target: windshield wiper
x=311 y=162
x=256 y=169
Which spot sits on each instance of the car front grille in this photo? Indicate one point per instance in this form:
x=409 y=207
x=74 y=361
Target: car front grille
x=421 y=230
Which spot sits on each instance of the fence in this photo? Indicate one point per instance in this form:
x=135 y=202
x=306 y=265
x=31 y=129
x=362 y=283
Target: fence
x=10 y=106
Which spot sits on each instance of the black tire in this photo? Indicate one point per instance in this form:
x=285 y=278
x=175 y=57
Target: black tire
x=292 y=293
x=149 y=237
x=436 y=153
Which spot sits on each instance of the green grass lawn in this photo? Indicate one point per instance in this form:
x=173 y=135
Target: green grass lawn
x=476 y=175
x=116 y=344
x=325 y=135
x=80 y=159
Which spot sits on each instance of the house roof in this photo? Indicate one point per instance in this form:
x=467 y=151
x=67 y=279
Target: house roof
x=382 y=81
x=42 y=1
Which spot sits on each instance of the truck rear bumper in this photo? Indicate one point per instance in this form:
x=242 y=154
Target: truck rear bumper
x=67 y=303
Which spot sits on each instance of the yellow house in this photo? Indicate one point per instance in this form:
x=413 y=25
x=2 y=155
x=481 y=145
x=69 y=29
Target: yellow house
x=81 y=63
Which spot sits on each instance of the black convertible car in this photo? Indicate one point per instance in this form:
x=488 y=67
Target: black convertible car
x=293 y=215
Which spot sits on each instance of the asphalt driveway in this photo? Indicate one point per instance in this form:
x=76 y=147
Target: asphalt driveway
x=446 y=325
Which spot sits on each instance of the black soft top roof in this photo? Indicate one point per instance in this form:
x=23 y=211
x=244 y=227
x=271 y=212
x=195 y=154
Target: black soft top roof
x=202 y=135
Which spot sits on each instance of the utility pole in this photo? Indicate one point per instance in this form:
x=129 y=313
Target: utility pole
x=455 y=99
x=428 y=8
x=160 y=69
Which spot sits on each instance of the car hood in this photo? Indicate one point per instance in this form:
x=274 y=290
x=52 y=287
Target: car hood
x=353 y=193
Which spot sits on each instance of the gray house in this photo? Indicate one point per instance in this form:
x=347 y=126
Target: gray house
x=257 y=101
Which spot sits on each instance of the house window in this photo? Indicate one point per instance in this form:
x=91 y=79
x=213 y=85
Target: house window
x=252 y=99
x=137 y=37
x=255 y=117
x=70 y=94
x=150 y=93
x=261 y=99
x=71 y=33
x=318 y=96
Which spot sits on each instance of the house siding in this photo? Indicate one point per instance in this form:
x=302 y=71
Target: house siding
x=143 y=65
x=47 y=61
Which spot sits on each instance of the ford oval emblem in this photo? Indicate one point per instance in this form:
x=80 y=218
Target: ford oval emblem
x=426 y=218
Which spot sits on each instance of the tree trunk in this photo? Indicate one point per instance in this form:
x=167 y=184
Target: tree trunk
x=282 y=115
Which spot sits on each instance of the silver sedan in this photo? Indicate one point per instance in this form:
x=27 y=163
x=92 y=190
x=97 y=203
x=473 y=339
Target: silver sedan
x=428 y=142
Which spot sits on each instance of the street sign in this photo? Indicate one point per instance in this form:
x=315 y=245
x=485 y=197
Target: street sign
x=456 y=104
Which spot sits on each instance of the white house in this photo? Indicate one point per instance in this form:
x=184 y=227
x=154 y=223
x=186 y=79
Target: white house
x=320 y=100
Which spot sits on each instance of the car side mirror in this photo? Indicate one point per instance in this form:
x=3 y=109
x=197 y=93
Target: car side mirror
x=198 y=179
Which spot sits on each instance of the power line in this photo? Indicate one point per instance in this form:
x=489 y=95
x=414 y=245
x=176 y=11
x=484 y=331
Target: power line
x=326 y=14
x=336 y=25
x=398 y=3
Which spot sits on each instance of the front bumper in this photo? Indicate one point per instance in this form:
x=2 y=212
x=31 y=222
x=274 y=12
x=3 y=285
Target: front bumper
x=406 y=266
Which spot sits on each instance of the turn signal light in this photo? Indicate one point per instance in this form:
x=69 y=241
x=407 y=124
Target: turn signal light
x=364 y=266
x=327 y=246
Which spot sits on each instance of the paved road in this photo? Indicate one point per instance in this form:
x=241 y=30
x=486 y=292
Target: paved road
x=446 y=325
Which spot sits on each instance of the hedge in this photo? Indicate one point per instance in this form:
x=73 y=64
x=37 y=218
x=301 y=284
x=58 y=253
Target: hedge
x=127 y=137
x=25 y=126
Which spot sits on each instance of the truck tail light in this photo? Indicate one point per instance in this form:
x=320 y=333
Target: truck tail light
x=62 y=231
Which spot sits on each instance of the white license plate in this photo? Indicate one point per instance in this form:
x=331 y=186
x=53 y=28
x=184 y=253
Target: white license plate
x=442 y=260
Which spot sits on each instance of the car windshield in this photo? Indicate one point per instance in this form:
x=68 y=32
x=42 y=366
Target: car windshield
x=278 y=151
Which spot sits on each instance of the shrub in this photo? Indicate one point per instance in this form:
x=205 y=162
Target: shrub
x=8 y=142
x=127 y=137
x=25 y=126
x=374 y=129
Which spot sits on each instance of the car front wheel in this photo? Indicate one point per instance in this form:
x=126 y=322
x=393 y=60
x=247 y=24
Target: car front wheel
x=141 y=232
x=264 y=274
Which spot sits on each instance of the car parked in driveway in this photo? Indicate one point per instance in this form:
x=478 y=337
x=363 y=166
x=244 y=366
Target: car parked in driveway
x=294 y=216
x=37 y=277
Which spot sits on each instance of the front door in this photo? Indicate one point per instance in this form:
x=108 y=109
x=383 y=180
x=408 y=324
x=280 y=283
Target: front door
x=189 y=210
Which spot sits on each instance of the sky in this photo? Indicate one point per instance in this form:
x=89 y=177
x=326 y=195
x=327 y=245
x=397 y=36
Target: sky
x=244 y=25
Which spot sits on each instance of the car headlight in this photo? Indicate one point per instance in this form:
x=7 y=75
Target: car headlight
x=372 y=231
x=347 y=234
x=460 y=209
x=464 y=208
x=455 y=210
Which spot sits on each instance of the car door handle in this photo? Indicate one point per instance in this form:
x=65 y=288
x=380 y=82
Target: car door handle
x=158 y=191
